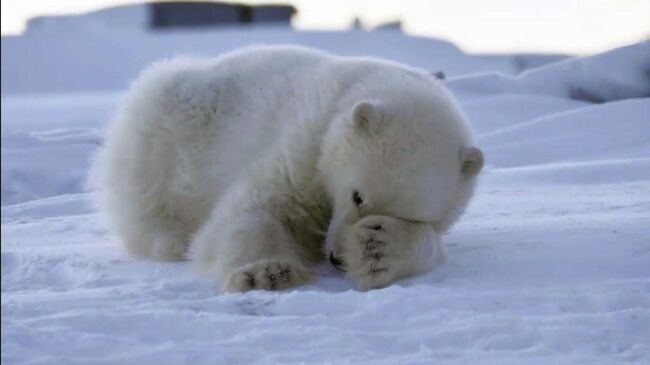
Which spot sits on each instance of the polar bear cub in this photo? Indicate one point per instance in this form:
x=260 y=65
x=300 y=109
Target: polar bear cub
x=259 y=163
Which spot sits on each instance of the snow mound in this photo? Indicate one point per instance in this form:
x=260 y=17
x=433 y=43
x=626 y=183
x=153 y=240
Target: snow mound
x=620 y=74
x=48 y=143
x=609 y=131
x=87 y=56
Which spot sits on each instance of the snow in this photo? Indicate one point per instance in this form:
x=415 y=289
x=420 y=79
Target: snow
x=592 y=79
x=47 y=143
x=134 y=16
x=102 y=60
x=550 y=264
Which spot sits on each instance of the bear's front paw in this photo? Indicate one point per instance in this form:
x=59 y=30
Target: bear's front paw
x=378 y=256
x=268 y=275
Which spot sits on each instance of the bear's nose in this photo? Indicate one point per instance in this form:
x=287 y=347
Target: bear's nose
x=337 y=262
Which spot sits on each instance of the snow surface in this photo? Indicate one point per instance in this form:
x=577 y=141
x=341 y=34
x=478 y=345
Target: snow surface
x=550 y=265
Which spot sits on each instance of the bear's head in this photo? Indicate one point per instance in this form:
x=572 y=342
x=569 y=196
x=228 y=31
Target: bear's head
x=410 y=158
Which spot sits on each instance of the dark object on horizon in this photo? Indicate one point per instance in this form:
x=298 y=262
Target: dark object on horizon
x=157 y=15
x=395 y=25
x=440 y=75
x=581 y=94
x=189 y=14
x=523 y=61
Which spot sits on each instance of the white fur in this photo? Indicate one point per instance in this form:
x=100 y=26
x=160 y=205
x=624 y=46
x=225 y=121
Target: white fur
x=250 y=158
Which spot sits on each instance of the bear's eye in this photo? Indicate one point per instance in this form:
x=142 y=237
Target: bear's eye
x=357 y=199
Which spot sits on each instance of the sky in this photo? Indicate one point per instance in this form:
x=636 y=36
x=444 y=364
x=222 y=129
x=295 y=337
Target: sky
x=546 y=26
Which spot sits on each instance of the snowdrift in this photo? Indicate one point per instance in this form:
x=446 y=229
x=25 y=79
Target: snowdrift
x=89 y=57
x=620 y=74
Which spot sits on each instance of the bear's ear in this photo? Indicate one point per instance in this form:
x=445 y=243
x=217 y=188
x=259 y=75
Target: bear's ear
x=471 y=161
x=365 y=115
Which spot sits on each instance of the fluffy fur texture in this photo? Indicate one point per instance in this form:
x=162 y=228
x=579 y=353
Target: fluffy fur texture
x=253 y=162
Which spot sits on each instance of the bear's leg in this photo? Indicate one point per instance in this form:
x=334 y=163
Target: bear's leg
x=248 y=250
x=155 y=236
x=137 y=206
x=378 y=250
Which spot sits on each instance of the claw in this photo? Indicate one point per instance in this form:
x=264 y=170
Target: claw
x=337 y=262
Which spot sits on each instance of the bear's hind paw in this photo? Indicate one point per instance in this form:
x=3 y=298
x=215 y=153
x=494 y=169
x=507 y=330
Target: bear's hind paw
x=267 y=275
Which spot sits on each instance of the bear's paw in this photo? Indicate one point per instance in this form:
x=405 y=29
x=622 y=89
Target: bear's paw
x=267 y=275
x=380 y=255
